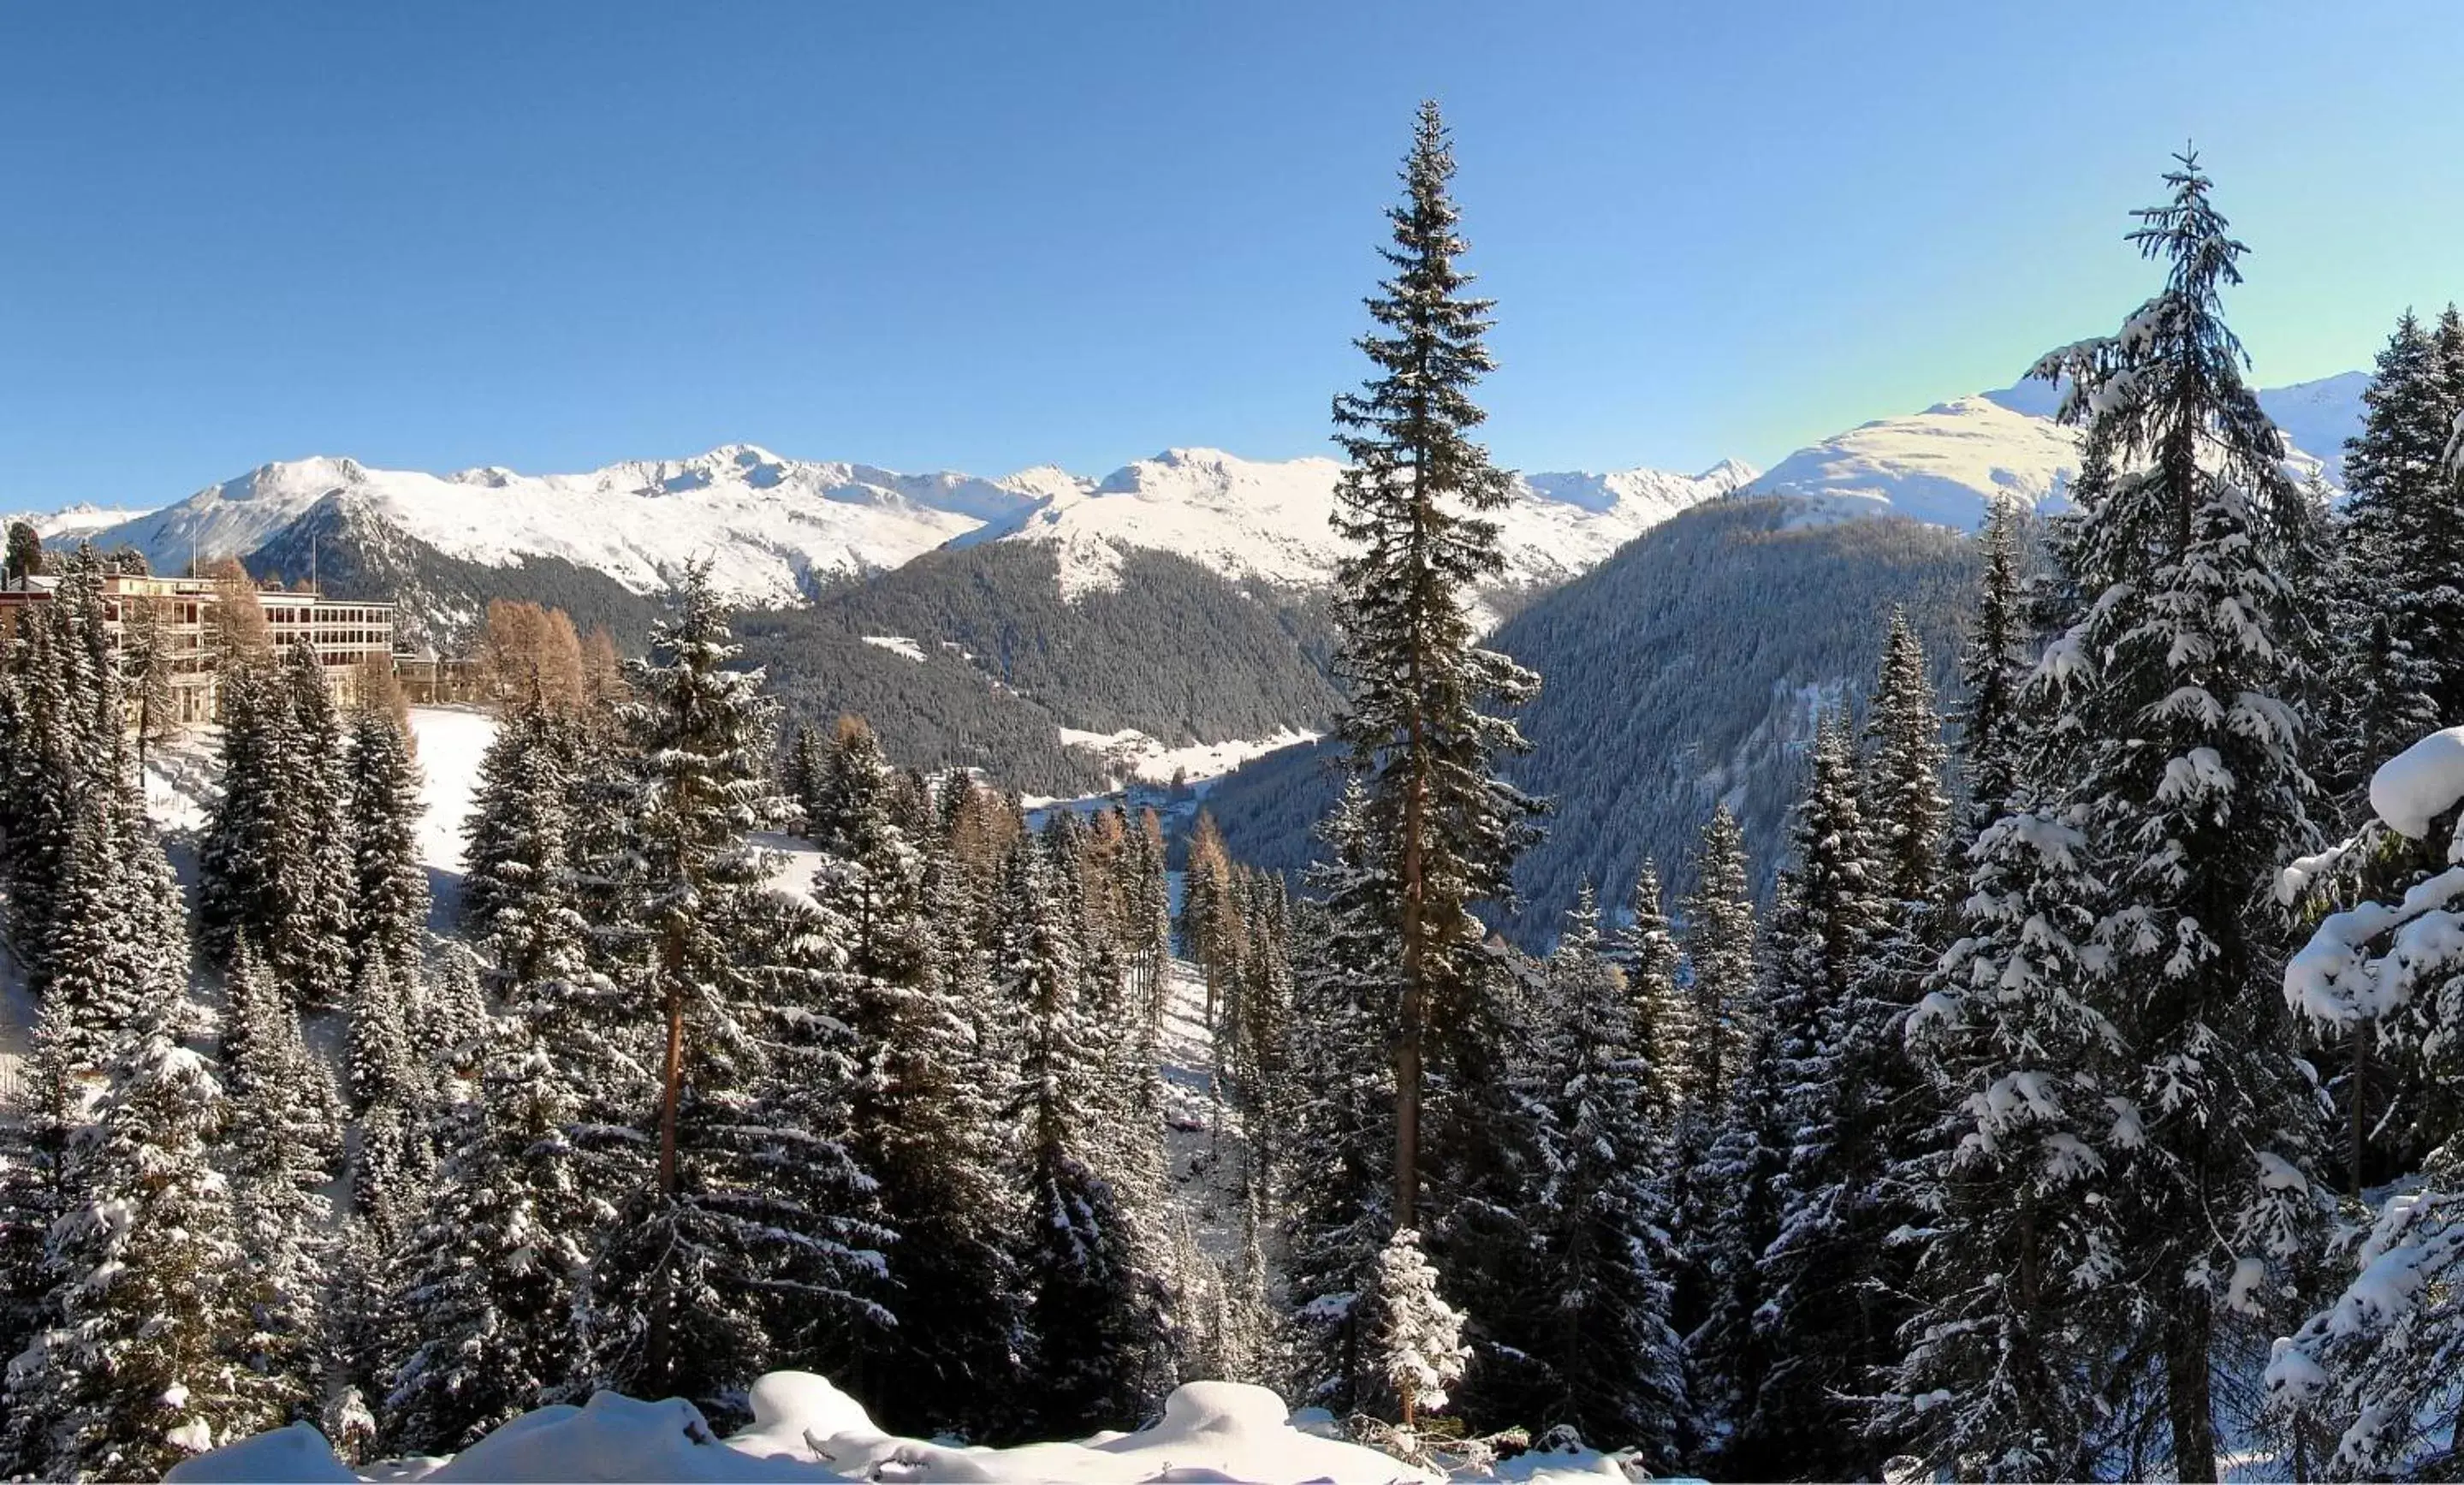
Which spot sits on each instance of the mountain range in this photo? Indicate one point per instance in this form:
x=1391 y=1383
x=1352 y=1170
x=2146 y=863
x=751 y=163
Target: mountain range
x=1061 y=631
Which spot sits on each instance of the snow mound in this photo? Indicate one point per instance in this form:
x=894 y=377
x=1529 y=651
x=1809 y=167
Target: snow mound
x=2420 y=784
x=807 y=1429
x=295 y=1456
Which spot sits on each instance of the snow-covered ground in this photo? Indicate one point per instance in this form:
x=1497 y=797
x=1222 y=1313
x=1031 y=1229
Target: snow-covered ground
x=1132 y=754
x=805 y=1429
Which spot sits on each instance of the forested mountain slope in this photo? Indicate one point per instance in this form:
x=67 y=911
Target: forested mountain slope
x=973 y=656
x=1684 y=669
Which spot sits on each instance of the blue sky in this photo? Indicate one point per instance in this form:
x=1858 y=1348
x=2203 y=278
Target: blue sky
x=553 y=235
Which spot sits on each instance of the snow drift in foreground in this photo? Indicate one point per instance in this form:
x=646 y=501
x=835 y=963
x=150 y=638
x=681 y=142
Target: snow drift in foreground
x=805 y=1429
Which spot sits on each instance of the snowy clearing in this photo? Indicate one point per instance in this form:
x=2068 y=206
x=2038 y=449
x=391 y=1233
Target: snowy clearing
x=898 y=645
x=1134 y=755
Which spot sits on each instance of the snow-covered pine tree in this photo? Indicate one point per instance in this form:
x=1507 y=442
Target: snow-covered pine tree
x=25 y=551
x=1091 y=1315
x=1837 y=1272
x=1993 y=668
x=1212 y=933
x=2403 y=558
x=1600 y=1210
x=2190 y=773
x=1263 y=1079
x=1718 y=940
x=388 y=1093
x=801 y=774
x=678 y=1298
x=2377 y=1362
x=309 y=944
x=1418 y=1341
x=146 y=671
x=241 y=854
x=1341 y=1142
x=923 y=1118
x=389 y=895
x=1665 y=1026
x=1906 y=810
x=1411 y=501
x=282 y=1142
x=487 y=1280
x=520 y=840
x=67 y=747
x=145 y=1361
x=2017 y=1278
x=1757 y=1385
x=1723 y=982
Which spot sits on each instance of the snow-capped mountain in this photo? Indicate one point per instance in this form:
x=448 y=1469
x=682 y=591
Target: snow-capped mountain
x=1270 y=520
x=773 y=529
x=770 y=527
x=69 y=522
x=1943 y=464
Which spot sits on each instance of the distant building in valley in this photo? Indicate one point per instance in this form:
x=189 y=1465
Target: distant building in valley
x=345 y=631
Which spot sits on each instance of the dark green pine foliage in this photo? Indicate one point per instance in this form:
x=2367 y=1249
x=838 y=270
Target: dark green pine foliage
x=24 y=557
x=1992 y=669
x=240 y=856
x=486 y=1281
x=65 y=746
x=1418 y=686
x=310 y=945
x=145 y=1361
x=906 y=1006
x=1836 y=1273
x=1759 y=1383
x=284 y=1140
x=389 y=886
x=679 y=1300
x=2403 y=560
x=2014 y=1282
x=1723 y=980
x=1666 y=1027
x=802 y=772
x=1341 y=1142
x=1717 y=941
x=2190 y=773
x=390 y=1094
x=1905 y=807
x=1600 y=1212
x=276 y=860
x=1090 y=1312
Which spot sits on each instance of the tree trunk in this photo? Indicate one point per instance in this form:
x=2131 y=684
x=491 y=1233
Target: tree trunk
x=2359 y=1101
x=672 y=1084
x=2188 y=1406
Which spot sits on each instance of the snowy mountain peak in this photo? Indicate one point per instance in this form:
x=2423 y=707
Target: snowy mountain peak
x=1944 y=465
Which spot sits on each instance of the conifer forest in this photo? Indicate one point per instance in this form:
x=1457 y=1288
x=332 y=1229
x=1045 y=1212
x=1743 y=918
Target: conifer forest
x=2075 y=1091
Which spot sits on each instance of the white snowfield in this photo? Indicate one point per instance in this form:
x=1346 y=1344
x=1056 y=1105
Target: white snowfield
x=70 y=521
x=1944 y=465
x=770 y=525
x=805 y=1429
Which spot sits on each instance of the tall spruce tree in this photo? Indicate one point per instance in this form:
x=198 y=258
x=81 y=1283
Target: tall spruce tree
x=924 y=1114
x=1418 y=683
x=1993 y=668
x=1341 y=1142
x=389 y=884
x=1090 y=1311
x=1759 y=1386
x=1665 y=1026
x=1614 y=1361
x=678 y=1297
x=2187 y=777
